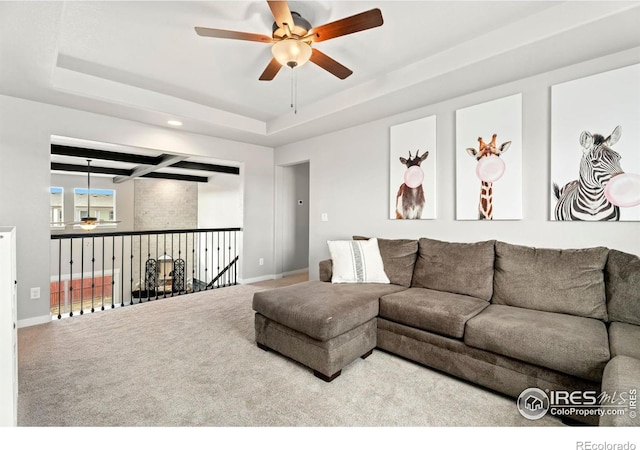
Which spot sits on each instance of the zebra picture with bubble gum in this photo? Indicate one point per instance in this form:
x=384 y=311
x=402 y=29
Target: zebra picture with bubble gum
x=602 y=187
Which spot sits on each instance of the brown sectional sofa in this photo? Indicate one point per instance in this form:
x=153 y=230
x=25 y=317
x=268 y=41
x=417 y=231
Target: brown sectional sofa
x=504 y=316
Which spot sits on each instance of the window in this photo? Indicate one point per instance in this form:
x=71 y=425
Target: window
x=56 y=207
x=102 y=204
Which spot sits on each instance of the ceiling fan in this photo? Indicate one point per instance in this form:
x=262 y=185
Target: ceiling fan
x=292 y=38
x=89 y=223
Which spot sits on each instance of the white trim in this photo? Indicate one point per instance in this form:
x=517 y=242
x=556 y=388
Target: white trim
x=293 y=272
x=256 y=279
x=276 y=276
x=34 y=321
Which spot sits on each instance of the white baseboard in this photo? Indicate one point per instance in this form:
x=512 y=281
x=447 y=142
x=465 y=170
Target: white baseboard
x=33 y=321
x=294 y=272
x=256 y=279
x=271 y=277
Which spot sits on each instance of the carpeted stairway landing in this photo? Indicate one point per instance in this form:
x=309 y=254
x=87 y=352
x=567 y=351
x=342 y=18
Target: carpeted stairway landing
x=192 y=361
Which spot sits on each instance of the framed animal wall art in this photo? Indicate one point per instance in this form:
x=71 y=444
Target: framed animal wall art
x=489 y=160
x=412 y=172
x=595 y=147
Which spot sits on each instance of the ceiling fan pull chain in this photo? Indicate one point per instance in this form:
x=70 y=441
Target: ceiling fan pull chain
x=292 y=87
x=295 y=92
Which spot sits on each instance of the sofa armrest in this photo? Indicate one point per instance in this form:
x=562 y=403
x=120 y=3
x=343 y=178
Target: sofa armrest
x=326 y=270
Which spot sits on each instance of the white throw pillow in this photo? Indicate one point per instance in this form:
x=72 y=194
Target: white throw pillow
x=357 y=262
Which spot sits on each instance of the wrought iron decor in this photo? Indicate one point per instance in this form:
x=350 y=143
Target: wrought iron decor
x=150 y=276
x=179 y=281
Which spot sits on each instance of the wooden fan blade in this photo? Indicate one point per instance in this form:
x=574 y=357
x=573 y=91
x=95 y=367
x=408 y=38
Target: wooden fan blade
x=227 y=34
x=281 y=12
x=348 y=25
x=329 y=64
x=271 y=71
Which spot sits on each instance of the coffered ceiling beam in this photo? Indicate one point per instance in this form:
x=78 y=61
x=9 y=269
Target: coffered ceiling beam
x=90 y=153
x=143 y=160
x=208 y=167
x=94 y=169
x=125 y=172
x=141 y=171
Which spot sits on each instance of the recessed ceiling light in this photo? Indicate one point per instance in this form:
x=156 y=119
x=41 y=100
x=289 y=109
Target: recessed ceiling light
x=175 y=123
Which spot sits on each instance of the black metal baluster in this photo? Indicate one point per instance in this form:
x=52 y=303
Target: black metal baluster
x=140 y=270
x=172 y=274
x=164 y=265
x=131 y=270
x=183 y=286
x=218 y=237
x=224 y=260
x=228 y=274
x=71 y=277
x=157 y=283
x=113 y=272
x=235 y=253
x=59 y=277
x=82 y=278
x=102 y=282
x=93 y=271
x=206 y=259
x=146 y=275
x=122 y=272
x=193 y=262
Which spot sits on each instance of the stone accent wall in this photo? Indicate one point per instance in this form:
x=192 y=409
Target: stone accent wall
x=165 y=204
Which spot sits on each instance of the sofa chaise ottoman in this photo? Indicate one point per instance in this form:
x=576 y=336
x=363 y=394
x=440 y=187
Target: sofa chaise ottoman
x=323 y=326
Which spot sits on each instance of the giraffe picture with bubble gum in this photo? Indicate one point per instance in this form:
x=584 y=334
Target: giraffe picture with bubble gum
x=489 y=160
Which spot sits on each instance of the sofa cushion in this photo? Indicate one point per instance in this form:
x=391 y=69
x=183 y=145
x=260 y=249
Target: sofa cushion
x=322 y=310
x=622 y=284
x=357 y=262
x=563 y=281
x=624 y=339
x=439 y=312
x=459 y=268
x=399 y=258
x=569 y=344
x=620 y=377
x=325 y=270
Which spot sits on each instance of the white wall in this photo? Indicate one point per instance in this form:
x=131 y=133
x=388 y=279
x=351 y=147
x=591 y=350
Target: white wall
x=26 y=128
x=220 y=201
x=349 y=176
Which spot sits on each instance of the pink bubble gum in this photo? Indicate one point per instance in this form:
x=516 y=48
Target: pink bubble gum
x=490 y=168
x=413 y=176
x=623 y=190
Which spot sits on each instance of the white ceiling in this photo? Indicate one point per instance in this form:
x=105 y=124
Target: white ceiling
x=143 y=60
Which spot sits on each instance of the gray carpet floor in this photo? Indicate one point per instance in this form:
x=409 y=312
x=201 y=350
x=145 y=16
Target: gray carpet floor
x=191 y=361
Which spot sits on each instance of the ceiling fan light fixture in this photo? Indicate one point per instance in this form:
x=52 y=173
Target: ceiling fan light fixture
x=291 y=52
x=89 y=225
